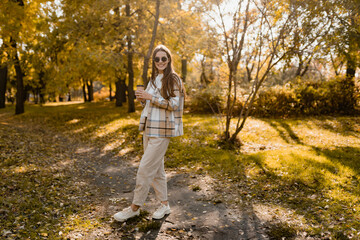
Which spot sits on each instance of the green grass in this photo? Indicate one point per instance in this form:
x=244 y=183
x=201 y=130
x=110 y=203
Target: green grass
x=281 y=231
x=309 y=165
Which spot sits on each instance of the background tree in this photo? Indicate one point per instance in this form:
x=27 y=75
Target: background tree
x=14 y=36
x=130 y=70
x=181 y=29
x=3 y=76
x=114 y=52
x=342 y=43
x=310 y=31
x=152 y=42
x=260 y=30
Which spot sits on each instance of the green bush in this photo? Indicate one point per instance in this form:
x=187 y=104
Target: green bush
x=205 y=100
x=275 y=102
x=311 y=98
x=336 y=96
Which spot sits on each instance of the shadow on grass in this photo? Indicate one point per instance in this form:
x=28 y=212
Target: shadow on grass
x=340 y=125
x=346 y=156
x=284 y=130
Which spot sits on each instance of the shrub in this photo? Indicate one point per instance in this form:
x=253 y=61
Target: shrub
x=310 y=98
x=336 y=96
x=101 y=95
x=345 y=94
x=205 y=100
x=281 y=231
x=275 y=102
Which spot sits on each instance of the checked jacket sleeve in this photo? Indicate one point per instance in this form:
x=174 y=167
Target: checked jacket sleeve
x=172 y=104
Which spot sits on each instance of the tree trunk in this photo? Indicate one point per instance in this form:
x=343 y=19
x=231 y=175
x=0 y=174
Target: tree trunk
x=248 y=73
x=19 y=81
x=84 y=92
x=10 y=97
x=27 y=90
x=41 y=88
x=203 y=78
x=335 y=67
x=228 y=104
x=90 y=89
x=350 y=70
x=110 y=91
x=148 y=55
x=303 y=67
x=299 y=69
x=36 y=96
x=131 y=93
x=123 y=88
x=19 y=88
x=348 y=102
x=19 y=108
x=42 y=97
x=118 y=100
x=183 y=69
x=3 y=81
x=212 y=74
x=68 y=95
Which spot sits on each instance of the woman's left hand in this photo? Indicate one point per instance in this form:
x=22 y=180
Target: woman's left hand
x=141 y=94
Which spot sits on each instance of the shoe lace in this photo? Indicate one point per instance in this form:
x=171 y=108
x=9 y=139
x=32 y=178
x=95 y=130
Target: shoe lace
x=128 y=209
x=163 y=206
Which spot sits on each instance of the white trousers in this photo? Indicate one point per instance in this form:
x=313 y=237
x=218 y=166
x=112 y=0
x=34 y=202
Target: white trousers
x=151 y=170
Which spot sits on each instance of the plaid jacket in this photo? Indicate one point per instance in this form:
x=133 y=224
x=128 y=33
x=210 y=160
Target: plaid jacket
x=164 y=117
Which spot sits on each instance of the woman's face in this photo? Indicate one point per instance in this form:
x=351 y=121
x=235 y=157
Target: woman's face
x=161 y=61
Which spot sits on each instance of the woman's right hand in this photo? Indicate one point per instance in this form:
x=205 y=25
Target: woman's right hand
x=137 y=94
x=143 y=95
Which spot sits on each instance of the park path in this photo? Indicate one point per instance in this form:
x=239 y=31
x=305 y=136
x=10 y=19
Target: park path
x=195 y=214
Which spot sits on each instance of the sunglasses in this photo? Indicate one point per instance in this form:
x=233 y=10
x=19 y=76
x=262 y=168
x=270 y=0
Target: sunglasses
x=163 y=59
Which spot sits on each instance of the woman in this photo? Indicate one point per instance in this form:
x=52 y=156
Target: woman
x=160 y=120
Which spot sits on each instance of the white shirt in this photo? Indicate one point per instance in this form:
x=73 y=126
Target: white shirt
x=151 y=90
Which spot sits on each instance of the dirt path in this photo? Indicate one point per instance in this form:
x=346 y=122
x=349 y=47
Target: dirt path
x=195 y=214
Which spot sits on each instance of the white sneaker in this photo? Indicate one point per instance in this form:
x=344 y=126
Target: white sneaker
x=161 y=211
x=126 y=214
